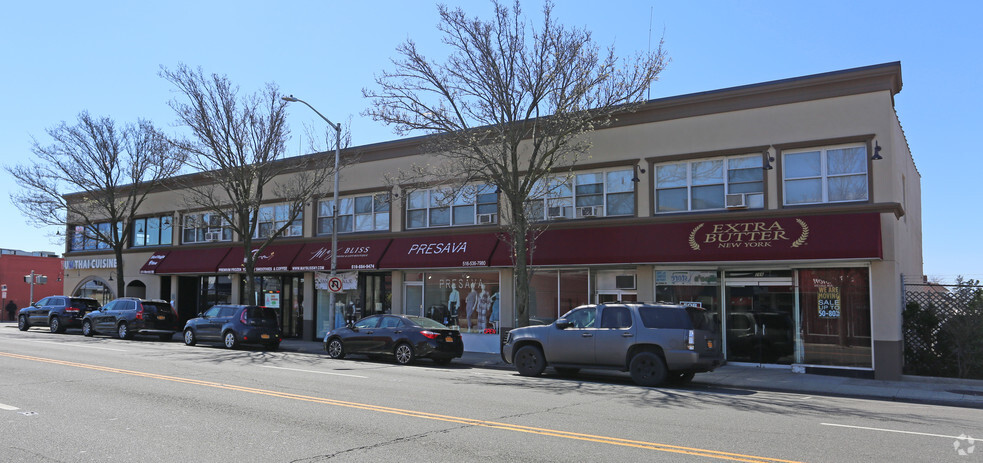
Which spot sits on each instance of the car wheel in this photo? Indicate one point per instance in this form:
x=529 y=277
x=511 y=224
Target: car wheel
x=529 y=361
x=442 y=361
x=564 y=371
x=55 y=325
x=336 y=349
x=647 y=369
x=681 y=377
x=86 y=328
x=22 y=323
x=230 y=340
x=404 y=354
x=123 y=331
x=189 y=337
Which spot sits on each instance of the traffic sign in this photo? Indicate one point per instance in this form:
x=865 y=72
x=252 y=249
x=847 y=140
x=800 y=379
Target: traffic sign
x=334 y=284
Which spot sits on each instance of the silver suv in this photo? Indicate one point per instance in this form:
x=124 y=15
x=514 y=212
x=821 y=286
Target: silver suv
x=654 y=342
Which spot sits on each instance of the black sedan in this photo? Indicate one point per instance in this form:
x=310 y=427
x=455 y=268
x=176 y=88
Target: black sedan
x=404 y=337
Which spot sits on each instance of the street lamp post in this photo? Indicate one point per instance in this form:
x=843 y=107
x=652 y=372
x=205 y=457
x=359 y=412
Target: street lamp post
x=334 y=207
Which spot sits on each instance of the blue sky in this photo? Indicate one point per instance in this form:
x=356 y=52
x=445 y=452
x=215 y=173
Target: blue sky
x=59 y=58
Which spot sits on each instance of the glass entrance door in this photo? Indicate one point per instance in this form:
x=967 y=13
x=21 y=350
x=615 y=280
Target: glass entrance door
x=413 y=299
x=760 y=322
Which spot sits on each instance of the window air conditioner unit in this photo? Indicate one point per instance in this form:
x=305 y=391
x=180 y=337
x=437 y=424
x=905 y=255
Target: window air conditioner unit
x=213 y=236
x=590 y=211
x=624 y=282
x=736 y=201
x=484 y=219
x=555 y=212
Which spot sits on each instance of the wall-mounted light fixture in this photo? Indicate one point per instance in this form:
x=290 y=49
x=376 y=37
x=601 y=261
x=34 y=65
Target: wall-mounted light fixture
x=638 y=170
x=768 y=159
x=877 y=152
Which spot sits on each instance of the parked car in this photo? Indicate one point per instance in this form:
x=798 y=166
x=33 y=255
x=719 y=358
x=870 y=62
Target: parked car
x=234 y=325
x=654 y=342
x=402 y=336
x=56 y=312
x=128 y=316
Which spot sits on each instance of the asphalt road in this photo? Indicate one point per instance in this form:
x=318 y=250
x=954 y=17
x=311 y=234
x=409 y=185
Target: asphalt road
x=68 y=398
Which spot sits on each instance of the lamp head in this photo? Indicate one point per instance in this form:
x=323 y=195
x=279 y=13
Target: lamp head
x=290 y=98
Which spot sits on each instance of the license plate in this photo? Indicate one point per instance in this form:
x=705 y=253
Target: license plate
x=449 y=339
x=264 y=336
x=160 y=317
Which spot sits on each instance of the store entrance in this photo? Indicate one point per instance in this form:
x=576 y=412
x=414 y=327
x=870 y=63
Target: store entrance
x=760 y=317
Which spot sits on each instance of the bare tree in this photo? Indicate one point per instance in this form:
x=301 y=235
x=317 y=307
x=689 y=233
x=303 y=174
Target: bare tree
x=94 y=176
x=512 y=106
x=238 y=144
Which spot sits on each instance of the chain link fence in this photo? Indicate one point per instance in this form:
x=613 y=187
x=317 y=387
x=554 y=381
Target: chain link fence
x=943 y=329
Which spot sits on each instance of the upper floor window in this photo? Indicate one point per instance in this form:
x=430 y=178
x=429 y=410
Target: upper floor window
x=204 y=228
x=86 y=237
x=355 y=214
x=274 y=217
x=708 y=184
x=586 y=194
x=825 y=175
x=473 y=204
x=151 y=231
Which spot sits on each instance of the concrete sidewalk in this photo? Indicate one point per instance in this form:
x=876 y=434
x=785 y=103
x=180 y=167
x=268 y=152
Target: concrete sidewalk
x=913 y=389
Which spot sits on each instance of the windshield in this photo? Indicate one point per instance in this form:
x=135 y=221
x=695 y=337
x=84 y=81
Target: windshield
x=261 y=313
x=89 y=304
x=157 y=307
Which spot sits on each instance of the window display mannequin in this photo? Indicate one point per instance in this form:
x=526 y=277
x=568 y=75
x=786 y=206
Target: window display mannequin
x=470 y=305
x=493 y=319
x=483 y=310
x=453 y=303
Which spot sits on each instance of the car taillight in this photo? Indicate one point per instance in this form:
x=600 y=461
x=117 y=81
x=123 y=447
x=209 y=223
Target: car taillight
x=242 y=318
x=140 y=312
x=71 y=309
x=691 y=342
x=430 y=334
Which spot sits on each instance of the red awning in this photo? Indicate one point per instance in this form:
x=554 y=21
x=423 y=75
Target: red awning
x=275 y=258
x=440 y=251
x=196 y=260
x=154 y=261
x=841 y=236
x=352 y=255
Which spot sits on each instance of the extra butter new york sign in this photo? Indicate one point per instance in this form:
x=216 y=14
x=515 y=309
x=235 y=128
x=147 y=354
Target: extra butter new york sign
x=769 y=233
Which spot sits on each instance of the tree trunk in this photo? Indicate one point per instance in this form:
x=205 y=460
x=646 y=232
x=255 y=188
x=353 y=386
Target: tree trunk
x=520 y=250
x=120 y=284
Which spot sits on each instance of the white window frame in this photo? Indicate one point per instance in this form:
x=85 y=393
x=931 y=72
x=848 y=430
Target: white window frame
x=438 y=201
x=725 y=181
x=275 y=216
x=377 y=219
x=208 y=223
x=561 y=192
x=824 y=176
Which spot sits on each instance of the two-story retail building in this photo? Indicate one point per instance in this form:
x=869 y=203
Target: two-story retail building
x=790 y=209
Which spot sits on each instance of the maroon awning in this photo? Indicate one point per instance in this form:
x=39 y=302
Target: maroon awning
x=440 y=251
x=195 y=260
x=352 y=255
x=275 y=258
x=839 y=236
x=154 y=261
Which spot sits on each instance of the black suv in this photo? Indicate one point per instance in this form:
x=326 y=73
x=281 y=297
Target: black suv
x=656 y=342
x=56 y=312
x=234 y=325
x=128 y=316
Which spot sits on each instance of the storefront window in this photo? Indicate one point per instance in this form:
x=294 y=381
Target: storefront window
x=468 y=301
x=553 y=292
x=834 y=306
x=96 y=290
x=364 y=294
x=699 y=288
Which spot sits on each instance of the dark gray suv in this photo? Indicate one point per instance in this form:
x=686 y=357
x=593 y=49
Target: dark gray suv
x=57 y=312
x=654 y=342
x=128 y=316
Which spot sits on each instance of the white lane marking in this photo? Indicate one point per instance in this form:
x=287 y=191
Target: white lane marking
x=893 y=430
x=75 y=345
x=8 y=407
x=318 y=372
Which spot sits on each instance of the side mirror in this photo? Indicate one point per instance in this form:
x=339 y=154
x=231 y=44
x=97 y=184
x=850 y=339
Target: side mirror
x=354 y=328
x=563 y=323
x=201 y=315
